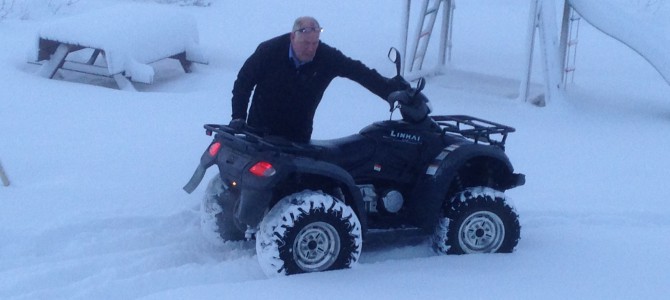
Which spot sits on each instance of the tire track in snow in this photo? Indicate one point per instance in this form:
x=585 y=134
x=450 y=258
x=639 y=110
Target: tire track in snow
x=106 y=257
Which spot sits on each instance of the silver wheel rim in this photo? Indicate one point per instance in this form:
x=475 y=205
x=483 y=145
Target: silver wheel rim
x=316 y=247
x=481 y=232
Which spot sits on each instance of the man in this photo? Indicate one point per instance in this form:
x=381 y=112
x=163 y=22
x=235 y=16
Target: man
x=288 y=76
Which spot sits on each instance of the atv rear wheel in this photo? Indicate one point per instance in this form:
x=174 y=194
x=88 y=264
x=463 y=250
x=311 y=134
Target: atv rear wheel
x=308 y=232
x=216 y=213
x=477 y=220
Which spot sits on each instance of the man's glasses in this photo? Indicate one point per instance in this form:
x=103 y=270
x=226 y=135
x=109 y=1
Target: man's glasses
x=309 y=29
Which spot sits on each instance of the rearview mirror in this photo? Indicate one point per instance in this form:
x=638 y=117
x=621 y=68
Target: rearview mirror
x=394 y=56
x=420 y=84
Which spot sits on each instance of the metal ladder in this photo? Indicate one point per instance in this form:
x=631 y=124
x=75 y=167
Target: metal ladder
x=570 y=54
x=423 y=32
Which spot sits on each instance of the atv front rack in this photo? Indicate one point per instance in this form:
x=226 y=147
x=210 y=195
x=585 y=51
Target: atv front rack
x=475 y=129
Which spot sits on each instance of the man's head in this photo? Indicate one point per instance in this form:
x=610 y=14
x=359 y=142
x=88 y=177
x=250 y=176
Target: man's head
x=305 y=38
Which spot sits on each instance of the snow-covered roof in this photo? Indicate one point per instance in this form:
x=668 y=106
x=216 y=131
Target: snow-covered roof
x=131 y=36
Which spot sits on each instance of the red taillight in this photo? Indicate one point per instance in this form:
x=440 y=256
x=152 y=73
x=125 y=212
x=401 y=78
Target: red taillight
x=263 y=169
x=214 y=149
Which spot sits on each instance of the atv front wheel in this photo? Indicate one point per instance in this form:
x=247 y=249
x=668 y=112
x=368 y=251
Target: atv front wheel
x=477 y=220
x=216 y=214
x=308 y=232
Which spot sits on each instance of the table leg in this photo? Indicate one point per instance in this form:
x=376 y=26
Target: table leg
x=124 y=83
x=56 y=61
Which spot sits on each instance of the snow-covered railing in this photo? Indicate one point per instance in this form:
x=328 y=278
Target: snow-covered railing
x=128 y=37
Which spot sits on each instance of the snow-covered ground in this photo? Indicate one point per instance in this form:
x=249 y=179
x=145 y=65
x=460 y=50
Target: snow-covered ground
x=96 y=211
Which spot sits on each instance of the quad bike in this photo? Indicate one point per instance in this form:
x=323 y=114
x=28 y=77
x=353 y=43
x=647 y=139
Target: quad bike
x=309 y=207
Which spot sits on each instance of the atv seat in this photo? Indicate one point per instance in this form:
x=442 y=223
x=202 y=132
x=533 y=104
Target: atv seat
x=346 y=152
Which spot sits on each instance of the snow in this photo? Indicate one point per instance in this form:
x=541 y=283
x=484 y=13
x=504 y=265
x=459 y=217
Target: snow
x=616 y=19
x=96 y=210
x=131 y=36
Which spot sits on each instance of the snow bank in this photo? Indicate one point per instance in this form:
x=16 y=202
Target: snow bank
x=131 y=36
x=635 y=29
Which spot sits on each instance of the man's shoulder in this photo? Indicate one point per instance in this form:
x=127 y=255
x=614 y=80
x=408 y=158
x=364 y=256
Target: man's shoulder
x=330 y=54
x=278 y=41
x=325 y=48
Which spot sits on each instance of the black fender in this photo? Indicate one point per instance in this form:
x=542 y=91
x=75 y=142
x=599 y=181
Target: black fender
x=339 y=175
x=432 y=189
x=257 y=194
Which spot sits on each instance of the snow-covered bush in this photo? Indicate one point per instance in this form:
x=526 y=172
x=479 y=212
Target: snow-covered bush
x=23 y=9
x=28 y=9
x=187 y=2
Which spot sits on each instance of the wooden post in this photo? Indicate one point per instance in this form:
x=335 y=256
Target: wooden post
x=3 y=176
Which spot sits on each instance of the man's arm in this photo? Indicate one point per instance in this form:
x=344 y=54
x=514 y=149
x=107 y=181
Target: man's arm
x=365 y=76
x=247 y=78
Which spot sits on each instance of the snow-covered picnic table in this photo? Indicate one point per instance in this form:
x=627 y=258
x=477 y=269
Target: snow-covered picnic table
x=128 y=37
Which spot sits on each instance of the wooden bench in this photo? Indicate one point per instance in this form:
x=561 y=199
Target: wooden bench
x=120 y=43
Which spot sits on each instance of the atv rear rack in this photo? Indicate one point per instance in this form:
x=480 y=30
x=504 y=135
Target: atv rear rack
x=475 y=129
x=247 y=139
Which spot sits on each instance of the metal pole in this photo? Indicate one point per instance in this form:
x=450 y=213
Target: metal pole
x=530 y=44
x=405 y=36
x=452 y=7
x=444 y=34
x=563 y=45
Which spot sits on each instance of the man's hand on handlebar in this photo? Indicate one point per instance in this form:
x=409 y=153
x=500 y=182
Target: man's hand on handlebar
x=399 y=83
x=237 y=124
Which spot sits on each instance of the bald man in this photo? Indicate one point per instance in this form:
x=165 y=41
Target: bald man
x=288 y=75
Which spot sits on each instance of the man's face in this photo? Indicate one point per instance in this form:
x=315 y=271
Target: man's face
x=305 y=42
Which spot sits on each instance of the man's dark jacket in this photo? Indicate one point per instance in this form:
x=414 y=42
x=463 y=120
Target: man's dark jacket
x=285 y=97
